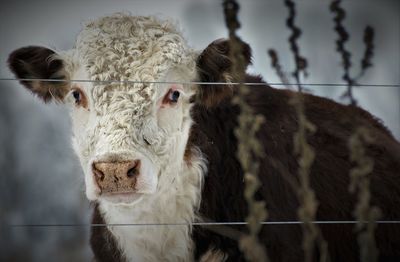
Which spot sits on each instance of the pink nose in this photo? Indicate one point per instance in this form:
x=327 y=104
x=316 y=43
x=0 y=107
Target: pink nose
x=114 y=177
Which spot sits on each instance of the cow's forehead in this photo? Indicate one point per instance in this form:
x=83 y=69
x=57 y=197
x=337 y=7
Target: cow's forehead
x=135 y=48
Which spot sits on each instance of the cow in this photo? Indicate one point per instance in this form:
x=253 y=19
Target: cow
x=157 y=147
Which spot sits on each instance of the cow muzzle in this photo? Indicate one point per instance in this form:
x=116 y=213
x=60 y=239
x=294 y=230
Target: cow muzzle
x=116 y=177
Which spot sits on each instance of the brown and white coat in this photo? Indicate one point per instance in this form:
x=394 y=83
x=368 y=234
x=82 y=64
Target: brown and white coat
x=165 y=153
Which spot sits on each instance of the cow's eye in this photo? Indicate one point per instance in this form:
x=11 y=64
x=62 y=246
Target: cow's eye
x=79 y=97
x=173 y=96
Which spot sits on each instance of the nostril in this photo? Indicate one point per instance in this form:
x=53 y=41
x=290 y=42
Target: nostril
x=131 y=172
x=116 y=173
x=98 y=174
x=134 y=169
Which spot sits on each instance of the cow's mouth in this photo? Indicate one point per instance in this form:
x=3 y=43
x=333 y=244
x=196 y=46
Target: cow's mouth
x=122 y=197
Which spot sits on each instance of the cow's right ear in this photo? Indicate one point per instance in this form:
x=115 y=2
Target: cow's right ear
x=35 y=62
x=214 y=65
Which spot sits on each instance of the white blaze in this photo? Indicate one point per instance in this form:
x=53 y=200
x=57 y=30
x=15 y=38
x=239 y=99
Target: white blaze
x=125 y=121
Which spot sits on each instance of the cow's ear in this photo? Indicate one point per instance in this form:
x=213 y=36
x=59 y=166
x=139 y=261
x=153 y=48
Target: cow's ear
x=215 y=65
x=35 y=62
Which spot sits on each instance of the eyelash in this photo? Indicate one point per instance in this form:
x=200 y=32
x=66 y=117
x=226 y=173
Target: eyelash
x=173 y=96
x=77 y=95
x=80 y=99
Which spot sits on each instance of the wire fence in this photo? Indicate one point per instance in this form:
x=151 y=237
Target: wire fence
x=301 y=65
x=227 y=223
x=196 y=83
x=342 y=222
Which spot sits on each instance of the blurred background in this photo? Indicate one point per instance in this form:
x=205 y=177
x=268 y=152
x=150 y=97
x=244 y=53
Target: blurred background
x=41 y=180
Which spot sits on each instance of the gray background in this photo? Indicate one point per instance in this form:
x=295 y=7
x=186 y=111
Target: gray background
x=41 y=180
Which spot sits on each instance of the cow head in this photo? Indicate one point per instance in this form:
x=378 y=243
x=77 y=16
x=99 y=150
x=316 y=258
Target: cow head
x=129 y=132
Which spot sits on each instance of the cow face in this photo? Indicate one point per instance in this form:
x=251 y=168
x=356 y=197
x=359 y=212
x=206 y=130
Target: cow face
x=129 y=131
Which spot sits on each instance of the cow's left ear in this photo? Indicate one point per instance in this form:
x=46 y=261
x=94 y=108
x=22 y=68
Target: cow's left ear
x=36 y=62
x=215 y=65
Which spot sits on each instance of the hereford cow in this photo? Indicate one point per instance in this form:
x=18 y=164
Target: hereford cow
x=165 y=153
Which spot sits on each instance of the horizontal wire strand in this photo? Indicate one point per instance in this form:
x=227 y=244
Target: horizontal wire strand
x=194 y=82
x=206 y=223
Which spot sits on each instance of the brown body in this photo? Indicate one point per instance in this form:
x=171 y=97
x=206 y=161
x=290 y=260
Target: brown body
x=222 y=194
x=222 y=198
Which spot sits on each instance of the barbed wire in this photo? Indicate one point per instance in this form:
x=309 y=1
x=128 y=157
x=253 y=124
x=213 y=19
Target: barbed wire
x=193 y=82
x=327 y=222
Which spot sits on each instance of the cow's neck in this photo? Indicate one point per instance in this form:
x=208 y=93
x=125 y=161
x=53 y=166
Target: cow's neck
x=176 y=202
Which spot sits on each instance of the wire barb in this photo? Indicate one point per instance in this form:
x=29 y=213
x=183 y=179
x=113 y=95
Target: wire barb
x=249 y=150
x=278 y=68
x=369 y=51
x=300 y=61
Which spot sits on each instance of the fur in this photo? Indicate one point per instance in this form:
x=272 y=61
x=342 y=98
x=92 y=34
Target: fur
x=175 y=204
x=189 y=171
x=222 y=196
